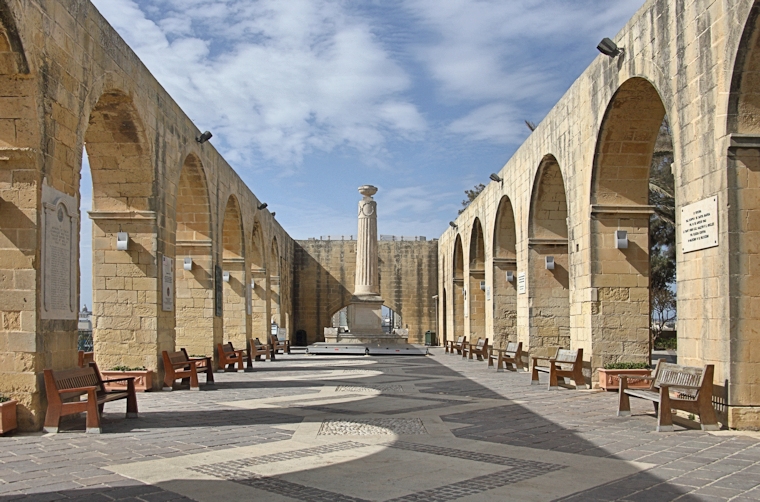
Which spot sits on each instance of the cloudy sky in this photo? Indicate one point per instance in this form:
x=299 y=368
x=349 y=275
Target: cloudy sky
x=308 y=99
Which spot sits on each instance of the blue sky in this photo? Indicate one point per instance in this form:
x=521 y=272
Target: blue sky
x=308 y=99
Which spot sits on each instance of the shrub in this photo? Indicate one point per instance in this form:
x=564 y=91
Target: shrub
x=666 y=344
x=128 y=368
x=4 y=399
x=626 y=366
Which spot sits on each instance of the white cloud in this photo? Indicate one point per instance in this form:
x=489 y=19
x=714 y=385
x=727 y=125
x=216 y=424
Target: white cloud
x=500 y=58
x=279 y=79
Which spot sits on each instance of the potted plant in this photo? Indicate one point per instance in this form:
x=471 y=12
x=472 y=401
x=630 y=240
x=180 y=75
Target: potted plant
x=608 y=376
x=7 y=414
x=143 y=378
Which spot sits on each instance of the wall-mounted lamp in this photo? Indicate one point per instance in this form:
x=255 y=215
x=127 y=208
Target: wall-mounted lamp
x=482 y=285
x=274 y=214
x=253 y=284
x=263 y=206
x=188 y=264
x=510 y=276
x=453 y=225
x=609 y=48
x=204 y=137
x=122 y=241
x=495 y=177
x=621 y=239
x=226 y=276
x=549 y=262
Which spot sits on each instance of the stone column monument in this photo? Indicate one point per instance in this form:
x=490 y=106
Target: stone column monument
x=366 y=283
x=365 y=319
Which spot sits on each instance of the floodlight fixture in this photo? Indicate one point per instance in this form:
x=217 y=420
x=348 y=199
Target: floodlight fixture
x=274 y=214
x=609 y=48
x=188 y=263
x=482 y=285
x=549 y=263
x=204 y=137
x=226 y=277
x=453 y=225
x=495 y=177
x=510 y=276
x=262 y=206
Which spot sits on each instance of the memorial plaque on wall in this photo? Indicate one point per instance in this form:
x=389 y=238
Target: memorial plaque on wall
x=167 y=283
x=699 y=225
x=218 y=291
x=60 y=240
x=521 y=283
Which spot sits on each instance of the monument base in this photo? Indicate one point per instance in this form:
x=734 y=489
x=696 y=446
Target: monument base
x=370 y=339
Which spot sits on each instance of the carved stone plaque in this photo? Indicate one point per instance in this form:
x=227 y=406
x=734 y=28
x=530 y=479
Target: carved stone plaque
x=167 y=284
x=521 y=283
x=59 y=254
x=699 y=225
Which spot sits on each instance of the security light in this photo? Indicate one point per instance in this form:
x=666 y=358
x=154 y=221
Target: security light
x=274 y=214
x=482 y=285
x=188 y=264
x=204 y=137
x=453 y=225
x=226 y=277
x=495 y=177
x=549 y=263
x=609 y=48
x=262 y=206
x=510 y=276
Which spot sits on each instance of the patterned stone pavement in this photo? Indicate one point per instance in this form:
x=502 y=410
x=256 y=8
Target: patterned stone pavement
x=420 y=429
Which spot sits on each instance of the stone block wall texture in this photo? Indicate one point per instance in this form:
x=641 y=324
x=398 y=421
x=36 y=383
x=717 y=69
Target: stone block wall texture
x=696 y=64
x=66 y=79
x=324 y=272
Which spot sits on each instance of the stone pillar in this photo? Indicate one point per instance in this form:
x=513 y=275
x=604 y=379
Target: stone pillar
x=367 y=283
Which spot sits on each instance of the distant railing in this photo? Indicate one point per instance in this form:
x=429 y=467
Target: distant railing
x=407 y=238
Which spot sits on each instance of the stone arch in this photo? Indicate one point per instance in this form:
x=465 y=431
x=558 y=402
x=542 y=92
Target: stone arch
x=12 y=55
x=477 y=279
x=620 y=201
x=129 y=326
x=274 y=278
x=193 y=240
x=504 y=261
x=259 y=305
x=547 y=229
x=458 y=290
x=743 y=177
x=233 y=260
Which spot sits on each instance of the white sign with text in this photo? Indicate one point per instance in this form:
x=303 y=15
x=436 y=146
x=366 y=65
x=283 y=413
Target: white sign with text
x=699 y=225
x=521 y=283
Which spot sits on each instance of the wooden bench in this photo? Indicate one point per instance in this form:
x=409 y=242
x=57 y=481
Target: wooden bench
x=512 y=355
x=480 y=349
x=276 y=345
x=85 y=358
x=566 y=364
x=256 y=349
x=64 y=389
x=451 y=345
x=684 y=388
x=228 y=356
x=203 y=364
x=178 y=366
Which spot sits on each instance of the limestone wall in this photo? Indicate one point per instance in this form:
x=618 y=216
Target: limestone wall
x=66 y=79
x=694 y=63
x=323 y=277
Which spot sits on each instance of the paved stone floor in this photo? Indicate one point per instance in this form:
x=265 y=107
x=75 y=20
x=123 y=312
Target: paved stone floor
x=420 y=429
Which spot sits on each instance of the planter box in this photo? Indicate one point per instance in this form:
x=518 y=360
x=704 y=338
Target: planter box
x=7 y=416
x=608 y=379
x=143 y=379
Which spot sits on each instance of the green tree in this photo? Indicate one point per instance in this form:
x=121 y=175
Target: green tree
x=471 y=196
x=662 y=234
